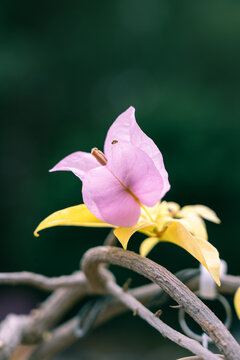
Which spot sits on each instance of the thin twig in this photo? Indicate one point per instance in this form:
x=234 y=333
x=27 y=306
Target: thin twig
x=168 y=282
x=229 y=283
x=198 y=358
x=66 y=334
x=41 y=281
x=158 y=324
x=110 y=240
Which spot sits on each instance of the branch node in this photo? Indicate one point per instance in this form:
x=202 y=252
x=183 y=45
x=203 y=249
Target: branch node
x=158 y=313
x=135 y=312
x=127 y=284
x=175 y=306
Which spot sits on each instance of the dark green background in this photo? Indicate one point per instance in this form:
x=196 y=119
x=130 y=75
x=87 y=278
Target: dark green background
x=68 y=69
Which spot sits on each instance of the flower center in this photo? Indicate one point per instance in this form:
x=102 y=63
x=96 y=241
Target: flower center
x=99 y=155
x=101 y=158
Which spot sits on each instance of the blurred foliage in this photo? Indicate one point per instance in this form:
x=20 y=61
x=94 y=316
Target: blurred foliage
x=68 y=69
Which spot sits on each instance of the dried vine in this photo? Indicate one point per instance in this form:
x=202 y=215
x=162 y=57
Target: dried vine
x=169 y=283
x=68 y=290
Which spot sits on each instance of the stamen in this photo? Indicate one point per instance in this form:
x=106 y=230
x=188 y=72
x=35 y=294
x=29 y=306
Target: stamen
x=147 y=212
x=99 y=155
x=141 y=205
x=114 y=142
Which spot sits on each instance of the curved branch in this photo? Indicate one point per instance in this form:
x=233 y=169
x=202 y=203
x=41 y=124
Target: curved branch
x=168 y=282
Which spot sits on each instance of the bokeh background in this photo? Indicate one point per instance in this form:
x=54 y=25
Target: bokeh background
x=68 y=69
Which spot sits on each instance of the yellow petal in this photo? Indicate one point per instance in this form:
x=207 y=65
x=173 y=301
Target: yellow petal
x=200 y=210
x=149 y=230
x=123 y=234
x=147 y=245
x=199 y=248
x=194 y=224
x=237 y=302
x=78 y=215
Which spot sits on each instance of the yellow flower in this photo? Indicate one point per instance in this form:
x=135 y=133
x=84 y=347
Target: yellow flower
x=165 y=221
x=237 y=302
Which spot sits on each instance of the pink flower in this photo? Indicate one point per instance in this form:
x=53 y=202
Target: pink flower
x=128 y=175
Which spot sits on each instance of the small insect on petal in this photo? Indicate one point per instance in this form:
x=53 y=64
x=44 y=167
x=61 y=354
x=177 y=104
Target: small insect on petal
x=128 y=173
x=99 y=155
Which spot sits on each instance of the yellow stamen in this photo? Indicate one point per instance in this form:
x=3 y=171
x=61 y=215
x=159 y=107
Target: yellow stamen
x=146 y=211
x=139 y=202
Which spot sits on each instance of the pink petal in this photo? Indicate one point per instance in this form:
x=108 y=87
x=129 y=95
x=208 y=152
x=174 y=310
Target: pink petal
x=78 y=162
x=137 y=172
x=126 y=130
x=107 y=199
